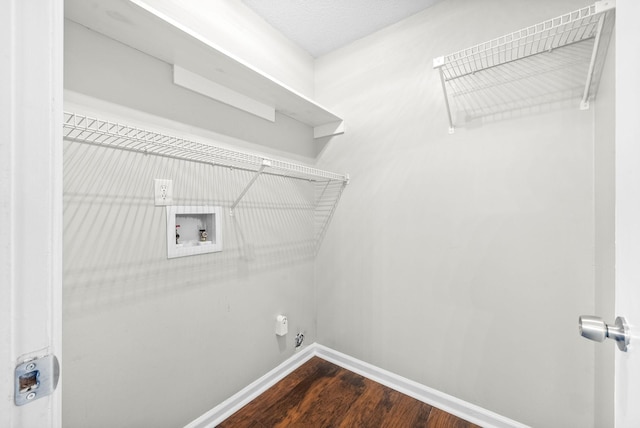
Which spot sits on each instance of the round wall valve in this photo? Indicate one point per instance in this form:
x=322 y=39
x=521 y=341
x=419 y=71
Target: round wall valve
x=594 y=328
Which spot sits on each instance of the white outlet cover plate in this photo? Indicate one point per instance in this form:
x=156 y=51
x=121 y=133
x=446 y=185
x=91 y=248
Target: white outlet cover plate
x=163 y=192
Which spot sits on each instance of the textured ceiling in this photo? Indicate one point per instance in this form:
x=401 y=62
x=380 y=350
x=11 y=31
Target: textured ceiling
x=321 y=26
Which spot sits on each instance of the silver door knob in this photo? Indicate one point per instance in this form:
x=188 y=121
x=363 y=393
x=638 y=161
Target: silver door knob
x=594 y=328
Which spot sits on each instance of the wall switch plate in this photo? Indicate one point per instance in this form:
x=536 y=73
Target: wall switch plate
x=163 y=192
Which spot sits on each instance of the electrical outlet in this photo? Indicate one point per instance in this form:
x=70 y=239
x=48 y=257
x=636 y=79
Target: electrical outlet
x=298 y=340
x=163 y=192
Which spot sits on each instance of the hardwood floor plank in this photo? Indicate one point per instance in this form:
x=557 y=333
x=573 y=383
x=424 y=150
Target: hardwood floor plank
x=328 y=399
x=272 y=398
x=442 y=419
x=380 y=406
x=321 y=394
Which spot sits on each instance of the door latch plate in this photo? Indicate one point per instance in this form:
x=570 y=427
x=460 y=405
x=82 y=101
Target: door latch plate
x=36 y=378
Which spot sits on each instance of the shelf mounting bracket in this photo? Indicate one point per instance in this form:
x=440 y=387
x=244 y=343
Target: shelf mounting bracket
x=265 y=163
x=584 y=104
x=438 y=63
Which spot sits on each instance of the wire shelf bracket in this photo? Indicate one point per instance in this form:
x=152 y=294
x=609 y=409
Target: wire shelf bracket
x=104 y=133
x=265 y=163
x=577 y=26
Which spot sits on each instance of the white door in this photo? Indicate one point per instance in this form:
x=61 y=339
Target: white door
x=30 y=200
x=627 y=377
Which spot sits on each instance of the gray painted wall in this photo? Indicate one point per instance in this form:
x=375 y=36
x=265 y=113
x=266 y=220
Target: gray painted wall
x=155 y=342
x=460 y=261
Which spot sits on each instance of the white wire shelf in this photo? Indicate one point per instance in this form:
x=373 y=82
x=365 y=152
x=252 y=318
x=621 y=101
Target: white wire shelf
x=582 y=25
x=118 y=136
x=105 y=133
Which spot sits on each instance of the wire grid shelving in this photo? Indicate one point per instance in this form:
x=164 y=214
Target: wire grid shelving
x=105 y=133
x=566 y=30
x=115 y=135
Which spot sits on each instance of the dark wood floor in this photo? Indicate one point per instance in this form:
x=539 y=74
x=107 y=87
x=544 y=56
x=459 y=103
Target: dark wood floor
x=321 y=394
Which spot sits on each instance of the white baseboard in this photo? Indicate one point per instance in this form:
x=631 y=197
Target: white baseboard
x=455 y=406
x=442 y=401
x=234 y=403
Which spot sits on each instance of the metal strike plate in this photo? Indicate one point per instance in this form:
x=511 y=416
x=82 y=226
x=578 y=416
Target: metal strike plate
x=36 y=378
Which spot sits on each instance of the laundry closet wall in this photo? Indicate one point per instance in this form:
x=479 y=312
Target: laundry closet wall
x=459 y=261
x=155 y=342
x=463 y=261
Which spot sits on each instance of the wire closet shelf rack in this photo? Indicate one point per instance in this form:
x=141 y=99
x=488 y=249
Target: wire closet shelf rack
x=105 y=133
x=574 y=27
